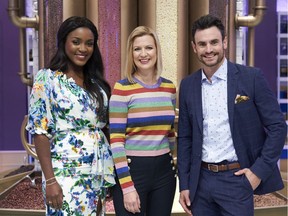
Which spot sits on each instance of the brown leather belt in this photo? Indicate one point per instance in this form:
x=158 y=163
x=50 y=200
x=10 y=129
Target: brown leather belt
x=220 y=167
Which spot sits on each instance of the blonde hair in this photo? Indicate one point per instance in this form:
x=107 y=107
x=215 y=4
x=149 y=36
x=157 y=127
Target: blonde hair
x=130 y=68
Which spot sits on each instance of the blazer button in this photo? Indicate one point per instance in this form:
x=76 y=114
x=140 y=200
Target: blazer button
x=129 y=160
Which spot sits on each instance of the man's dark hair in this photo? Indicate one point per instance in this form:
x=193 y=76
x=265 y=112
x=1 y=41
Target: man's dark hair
x=207 y=21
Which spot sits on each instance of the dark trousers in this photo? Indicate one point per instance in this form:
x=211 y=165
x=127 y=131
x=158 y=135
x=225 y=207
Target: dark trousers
x=223 y=194
x=155 y=181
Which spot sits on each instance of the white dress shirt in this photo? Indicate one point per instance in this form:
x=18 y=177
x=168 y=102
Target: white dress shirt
x=217 y=140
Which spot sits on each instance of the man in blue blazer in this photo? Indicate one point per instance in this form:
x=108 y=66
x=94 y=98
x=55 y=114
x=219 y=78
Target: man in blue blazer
x=230 y=131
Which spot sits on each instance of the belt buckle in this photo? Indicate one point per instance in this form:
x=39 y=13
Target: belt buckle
x=213 y=167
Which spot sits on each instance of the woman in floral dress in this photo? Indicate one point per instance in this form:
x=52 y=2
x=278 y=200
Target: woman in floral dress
x=67 y=112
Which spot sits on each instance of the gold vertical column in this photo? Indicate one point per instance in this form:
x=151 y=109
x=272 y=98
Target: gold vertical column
x=41 y=35
x=232 y=31
x=251 y=38
x=196 y=10
x=147 y=13
x=92 y=11
x=129 y=9
x=74 y=8
x=183 y=42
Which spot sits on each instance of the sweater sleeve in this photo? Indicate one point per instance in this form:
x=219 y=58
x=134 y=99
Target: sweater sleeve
x=171 y=134
x=118 y=112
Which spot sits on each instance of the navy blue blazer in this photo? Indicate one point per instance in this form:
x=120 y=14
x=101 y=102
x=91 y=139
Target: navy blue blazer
x=257 y=125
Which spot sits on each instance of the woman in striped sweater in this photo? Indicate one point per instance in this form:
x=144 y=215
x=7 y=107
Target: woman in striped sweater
x=142 y=113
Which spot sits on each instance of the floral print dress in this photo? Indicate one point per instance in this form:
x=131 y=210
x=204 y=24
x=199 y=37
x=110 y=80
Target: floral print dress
x=81 y=158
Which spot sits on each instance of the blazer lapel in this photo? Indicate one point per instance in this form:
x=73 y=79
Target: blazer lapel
x=231 y=88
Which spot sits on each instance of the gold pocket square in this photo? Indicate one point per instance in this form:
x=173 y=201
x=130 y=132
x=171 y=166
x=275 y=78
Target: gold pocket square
x=241 y=98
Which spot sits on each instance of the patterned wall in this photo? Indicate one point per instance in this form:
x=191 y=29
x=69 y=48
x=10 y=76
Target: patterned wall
x=166 y=27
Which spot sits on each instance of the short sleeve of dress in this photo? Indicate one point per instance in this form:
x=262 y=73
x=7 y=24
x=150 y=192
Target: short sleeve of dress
x=40 y=120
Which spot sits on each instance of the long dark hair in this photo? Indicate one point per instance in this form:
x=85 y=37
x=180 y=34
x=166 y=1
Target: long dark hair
x=93 y=71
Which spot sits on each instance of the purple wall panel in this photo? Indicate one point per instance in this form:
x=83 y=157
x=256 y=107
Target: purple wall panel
x=13 y=103
x=266 y=45
x=109 y=38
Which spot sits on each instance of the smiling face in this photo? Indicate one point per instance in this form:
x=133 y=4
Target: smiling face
x=210 y=48
x=79 y=47
x=144 y=53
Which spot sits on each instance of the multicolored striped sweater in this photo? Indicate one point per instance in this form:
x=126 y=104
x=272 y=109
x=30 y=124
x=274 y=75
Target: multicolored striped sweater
x=141 y=123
